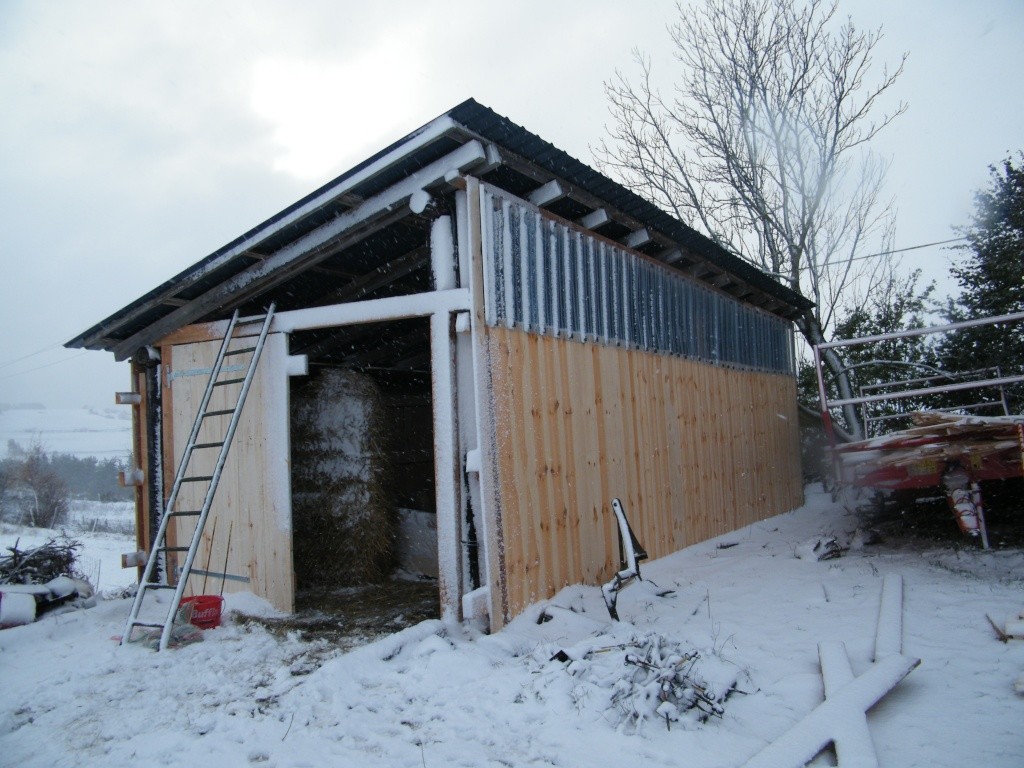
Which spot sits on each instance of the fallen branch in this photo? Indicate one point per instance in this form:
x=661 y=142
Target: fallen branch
x=1003 y=637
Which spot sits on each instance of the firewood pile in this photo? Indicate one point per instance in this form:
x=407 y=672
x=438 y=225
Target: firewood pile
x=40 y=580
x=38 y=565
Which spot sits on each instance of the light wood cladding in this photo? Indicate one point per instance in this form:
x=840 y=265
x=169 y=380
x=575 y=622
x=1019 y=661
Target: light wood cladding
x=253 y=500
x=692 y=450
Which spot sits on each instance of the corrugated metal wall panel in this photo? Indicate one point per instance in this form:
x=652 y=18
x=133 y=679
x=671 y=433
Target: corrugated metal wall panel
x=553 y=279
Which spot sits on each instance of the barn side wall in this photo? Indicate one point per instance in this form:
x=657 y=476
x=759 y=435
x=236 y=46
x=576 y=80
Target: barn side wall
x=693 y=451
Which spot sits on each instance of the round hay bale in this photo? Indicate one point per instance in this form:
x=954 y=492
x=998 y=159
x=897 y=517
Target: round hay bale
x=343 y=520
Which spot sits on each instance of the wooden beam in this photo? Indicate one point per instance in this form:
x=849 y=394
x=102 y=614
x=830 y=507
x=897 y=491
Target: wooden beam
x=371 y=311
x=436 y=130
x=547 y=193
x=392 y=270
x=699 y=269
x=596 y=218
x=721 y=280
x=308 y=250
x=637 y=238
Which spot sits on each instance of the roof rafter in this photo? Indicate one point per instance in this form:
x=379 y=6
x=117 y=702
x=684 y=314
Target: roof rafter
x=308 y=250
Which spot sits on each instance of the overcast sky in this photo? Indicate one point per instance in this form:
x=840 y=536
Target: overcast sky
x=137 y=137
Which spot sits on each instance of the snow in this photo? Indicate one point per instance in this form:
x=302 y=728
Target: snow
x=441 y=694
x=101 y=432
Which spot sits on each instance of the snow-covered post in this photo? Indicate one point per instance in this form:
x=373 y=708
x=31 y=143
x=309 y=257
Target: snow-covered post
x=446 y=468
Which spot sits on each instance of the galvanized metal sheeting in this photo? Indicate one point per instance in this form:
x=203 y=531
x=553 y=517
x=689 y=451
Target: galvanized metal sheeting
x=543 y=276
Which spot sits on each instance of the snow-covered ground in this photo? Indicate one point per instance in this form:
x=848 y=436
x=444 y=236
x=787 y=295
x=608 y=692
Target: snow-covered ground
x=106 y=531
x=102 y=432
x=443 y=695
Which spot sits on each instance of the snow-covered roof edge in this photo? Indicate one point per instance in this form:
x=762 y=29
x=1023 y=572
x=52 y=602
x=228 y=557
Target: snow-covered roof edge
x=462 y=123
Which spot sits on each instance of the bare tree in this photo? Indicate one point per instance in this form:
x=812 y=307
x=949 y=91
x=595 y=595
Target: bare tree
x=762 y=145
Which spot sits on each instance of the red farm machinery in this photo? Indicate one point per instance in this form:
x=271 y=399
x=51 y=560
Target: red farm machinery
x=928 y=428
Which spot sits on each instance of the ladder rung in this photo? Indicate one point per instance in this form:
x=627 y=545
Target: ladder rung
x=258 y=319
x=183 y=467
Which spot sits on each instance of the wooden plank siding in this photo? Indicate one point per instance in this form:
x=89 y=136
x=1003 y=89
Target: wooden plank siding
x=692 y=450
x=253 y=500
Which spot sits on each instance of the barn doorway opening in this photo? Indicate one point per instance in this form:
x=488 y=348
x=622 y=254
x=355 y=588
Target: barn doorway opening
x=362 y=474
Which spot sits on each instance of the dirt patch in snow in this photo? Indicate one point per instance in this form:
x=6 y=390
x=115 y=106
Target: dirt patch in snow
x=354 y=616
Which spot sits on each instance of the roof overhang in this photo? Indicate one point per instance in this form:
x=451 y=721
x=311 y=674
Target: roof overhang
x=396 y=184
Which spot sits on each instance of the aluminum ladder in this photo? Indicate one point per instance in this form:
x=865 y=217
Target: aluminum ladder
x=182 y=476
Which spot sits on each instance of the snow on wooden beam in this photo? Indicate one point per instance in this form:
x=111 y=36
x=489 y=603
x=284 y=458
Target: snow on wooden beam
x=131 y=477
x=595 y=219
x=371 y=311
x=547 y=194
x=308 y=250
x=637 y=239
x=339 y=191
x=127 y=398
x=670 y=256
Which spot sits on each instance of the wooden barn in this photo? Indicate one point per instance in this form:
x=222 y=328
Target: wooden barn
x=476 y=340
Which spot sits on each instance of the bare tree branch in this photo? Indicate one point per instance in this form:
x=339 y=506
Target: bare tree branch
x=763 y=145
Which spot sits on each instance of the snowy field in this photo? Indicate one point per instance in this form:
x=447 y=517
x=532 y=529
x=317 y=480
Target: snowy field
x=102 y=432
x=106 y=531
x=436 y=695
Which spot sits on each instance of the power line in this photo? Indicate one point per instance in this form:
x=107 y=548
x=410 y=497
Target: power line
x=44 y=365
x=30 y=354
x=908 y=248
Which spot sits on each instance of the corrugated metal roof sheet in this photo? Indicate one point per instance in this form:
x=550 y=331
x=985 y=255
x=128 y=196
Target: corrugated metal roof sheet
x=345 y=191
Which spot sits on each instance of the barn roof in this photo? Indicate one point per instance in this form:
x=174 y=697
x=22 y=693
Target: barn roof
x=339 y=243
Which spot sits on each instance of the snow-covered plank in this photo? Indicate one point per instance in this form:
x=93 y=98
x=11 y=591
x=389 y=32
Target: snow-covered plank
x=889 y=631
x=829 y=721
x=854 y=747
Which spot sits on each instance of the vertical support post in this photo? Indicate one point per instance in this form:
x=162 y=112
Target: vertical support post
x=474 y=551
x=446 y=466
x=447 y=486
x=490 y=497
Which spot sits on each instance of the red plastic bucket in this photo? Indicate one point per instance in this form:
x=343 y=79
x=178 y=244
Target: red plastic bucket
x=205 y=610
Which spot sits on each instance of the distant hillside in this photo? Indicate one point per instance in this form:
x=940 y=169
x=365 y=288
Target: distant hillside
x=101 y=432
